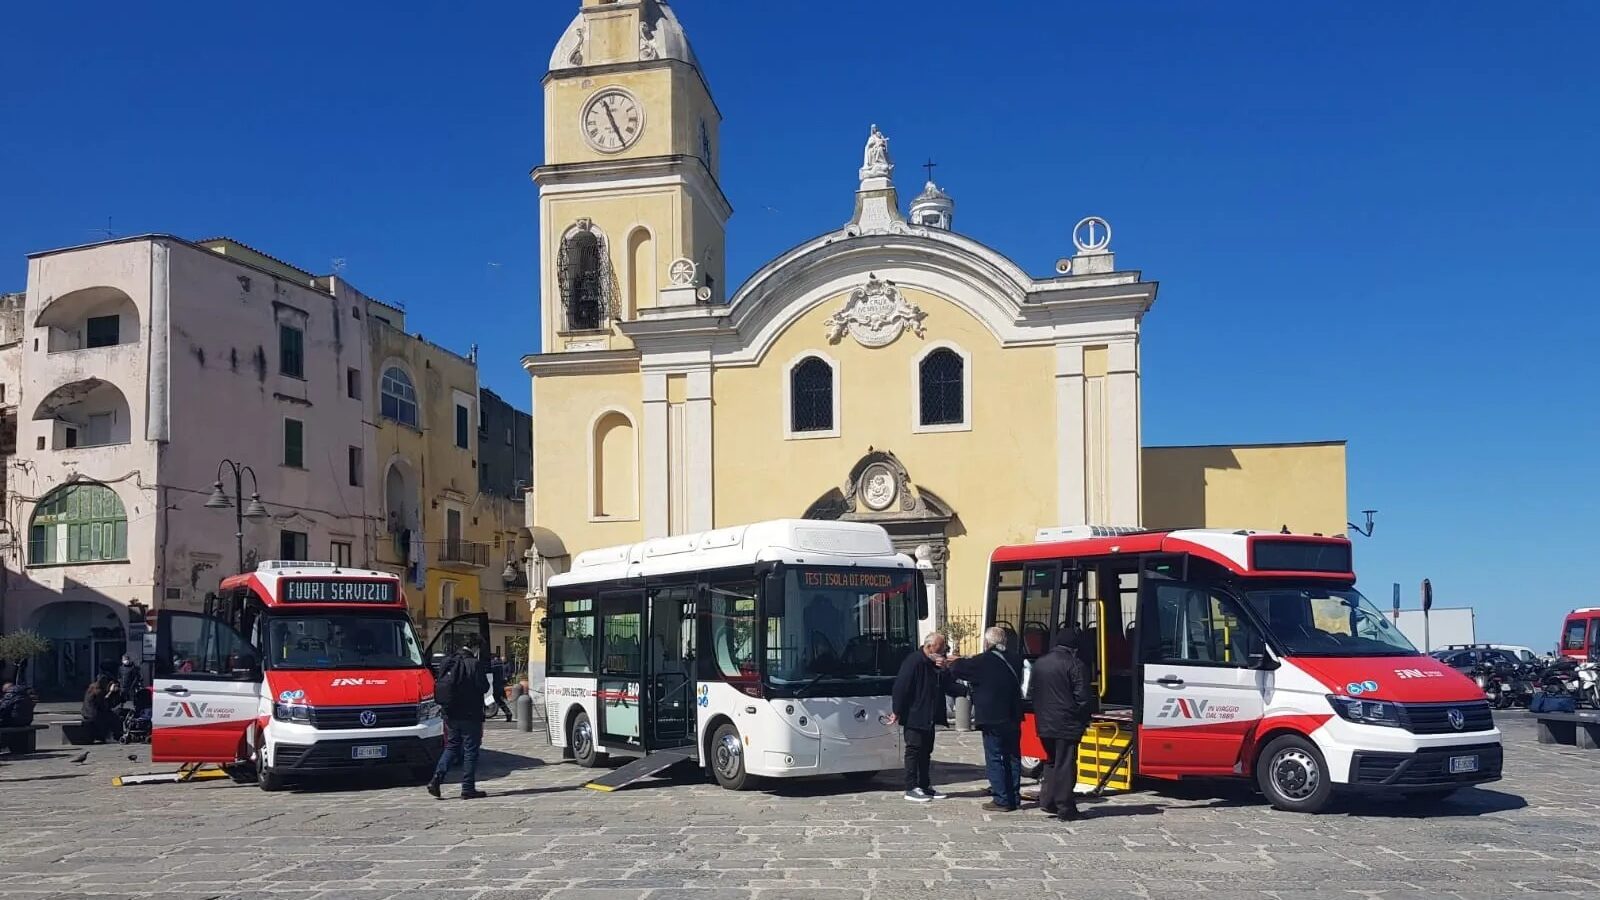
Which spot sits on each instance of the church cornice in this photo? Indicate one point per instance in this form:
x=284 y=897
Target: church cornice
x=585 y=177
x=618 y=68
x=592 y=362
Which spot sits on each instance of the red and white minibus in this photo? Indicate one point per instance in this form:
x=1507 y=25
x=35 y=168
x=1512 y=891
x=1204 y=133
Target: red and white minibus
x=1580 y=634
x=301 y=668
x=1238 y=653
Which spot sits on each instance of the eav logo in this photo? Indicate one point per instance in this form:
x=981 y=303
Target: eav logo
x=1183 y=708
x=179 y=709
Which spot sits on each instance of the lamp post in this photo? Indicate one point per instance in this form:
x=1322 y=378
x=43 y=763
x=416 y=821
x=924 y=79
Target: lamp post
x=220 y=500
x=1364 y=532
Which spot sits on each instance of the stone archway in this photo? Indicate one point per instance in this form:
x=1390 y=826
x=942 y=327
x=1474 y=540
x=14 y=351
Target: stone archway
x=86 y=638
x=879 y=490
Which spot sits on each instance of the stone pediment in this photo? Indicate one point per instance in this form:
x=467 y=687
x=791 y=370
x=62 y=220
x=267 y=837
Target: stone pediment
x=879 y=489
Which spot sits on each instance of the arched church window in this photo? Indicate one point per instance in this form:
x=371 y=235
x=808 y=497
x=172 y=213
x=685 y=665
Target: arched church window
x=583 y=276
x=942 y=388
x=78 y=523
x=811 y=396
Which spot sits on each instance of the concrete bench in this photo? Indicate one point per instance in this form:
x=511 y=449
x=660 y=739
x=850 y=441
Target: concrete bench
x=21 y=738
x=1581 y=730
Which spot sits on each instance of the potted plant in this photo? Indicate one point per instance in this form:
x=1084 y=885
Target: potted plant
x=16 y=649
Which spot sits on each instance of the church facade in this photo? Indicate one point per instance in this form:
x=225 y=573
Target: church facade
x=891 y=370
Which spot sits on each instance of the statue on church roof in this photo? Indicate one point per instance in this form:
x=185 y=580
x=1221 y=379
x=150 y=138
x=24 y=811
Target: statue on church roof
x=876 y=162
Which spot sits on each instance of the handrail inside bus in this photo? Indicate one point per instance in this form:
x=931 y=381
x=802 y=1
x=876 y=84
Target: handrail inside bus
x=1100 y=637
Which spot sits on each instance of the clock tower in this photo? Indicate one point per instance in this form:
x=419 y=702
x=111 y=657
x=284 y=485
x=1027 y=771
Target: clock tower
x=631 y=214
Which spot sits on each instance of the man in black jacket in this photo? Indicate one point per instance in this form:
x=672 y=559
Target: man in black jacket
x=919 y=705
x=997 y=711
x=463 y=719
x=1062 y=705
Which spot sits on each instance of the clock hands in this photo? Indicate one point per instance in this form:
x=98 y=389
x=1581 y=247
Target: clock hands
x=613 y=119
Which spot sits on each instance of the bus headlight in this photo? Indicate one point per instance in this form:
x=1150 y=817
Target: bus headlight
x=428 y=710
x=298 y=713
x=1366 y=712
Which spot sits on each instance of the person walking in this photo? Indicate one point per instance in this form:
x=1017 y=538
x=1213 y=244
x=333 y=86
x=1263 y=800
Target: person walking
x=997 y=711
x=1062 y=705
x=919 y=706
x=497 y=682
x=459 y=692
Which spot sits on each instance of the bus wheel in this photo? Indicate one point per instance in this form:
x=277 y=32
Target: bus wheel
x=727 y=759
x=1032 y=767
x=266 y=779
x=581 y=739
x=1293 y=775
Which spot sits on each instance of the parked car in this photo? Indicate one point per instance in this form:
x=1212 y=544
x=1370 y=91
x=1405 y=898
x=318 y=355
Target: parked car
x=1504 y=677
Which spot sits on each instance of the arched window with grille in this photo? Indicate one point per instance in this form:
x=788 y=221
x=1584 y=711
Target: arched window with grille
x=813 y=397
x=78 y=523
x=583 y=276
x=943 y=390
x=399 y=397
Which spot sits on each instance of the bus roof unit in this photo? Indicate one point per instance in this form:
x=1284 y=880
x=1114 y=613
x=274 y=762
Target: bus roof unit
x=1244 y=552
x=789 y=540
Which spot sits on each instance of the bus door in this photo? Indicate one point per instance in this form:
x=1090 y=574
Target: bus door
x=669 y=663
x=1202 y=679
x=207 y=689
x=621 y=675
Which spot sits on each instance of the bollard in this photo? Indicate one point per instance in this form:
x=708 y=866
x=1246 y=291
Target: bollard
x=963 y=713
x=524 y=712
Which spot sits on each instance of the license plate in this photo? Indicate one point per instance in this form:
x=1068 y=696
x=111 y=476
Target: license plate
x=1460 y=765
x=381 y=751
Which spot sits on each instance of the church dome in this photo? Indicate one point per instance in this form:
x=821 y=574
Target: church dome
x=933 y=208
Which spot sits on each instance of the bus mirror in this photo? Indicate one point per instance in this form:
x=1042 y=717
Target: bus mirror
x=1263 y=662
x=922 y=605
x=772 y=594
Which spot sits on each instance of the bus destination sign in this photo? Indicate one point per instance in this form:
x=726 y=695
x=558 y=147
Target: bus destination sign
x=328 y=590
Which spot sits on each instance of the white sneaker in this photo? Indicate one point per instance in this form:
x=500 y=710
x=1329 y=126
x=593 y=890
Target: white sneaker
x=915 y=795
x=935 y=795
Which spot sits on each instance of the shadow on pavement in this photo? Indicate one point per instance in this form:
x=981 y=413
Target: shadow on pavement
x=44 y=778
x=1465 y=803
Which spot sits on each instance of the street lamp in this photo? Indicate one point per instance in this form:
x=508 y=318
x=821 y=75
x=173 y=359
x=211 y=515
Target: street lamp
x=1364 y=532
x=219 y=499
x=510 y=574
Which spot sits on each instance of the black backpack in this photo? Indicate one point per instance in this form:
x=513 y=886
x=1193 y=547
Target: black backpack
x=446 y=685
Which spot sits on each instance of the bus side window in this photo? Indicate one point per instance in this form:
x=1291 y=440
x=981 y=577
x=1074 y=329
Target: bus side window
x=1007 y=605
x=571 y=636
x=732 y=616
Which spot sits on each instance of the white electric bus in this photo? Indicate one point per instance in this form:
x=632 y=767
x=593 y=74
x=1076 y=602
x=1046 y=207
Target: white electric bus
x=764 y=650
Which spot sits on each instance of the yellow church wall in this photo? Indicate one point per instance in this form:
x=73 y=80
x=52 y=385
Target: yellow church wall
x=672 y=99
x=1000 y=478
x=617 y=215
x=569 y=407
x=1262 y=487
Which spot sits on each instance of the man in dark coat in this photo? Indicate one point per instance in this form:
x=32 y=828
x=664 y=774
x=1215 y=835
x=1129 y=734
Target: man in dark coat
x=497 y=683
x=919 y=705
x=468 y=679
x=130 y=682
x=1062 y=704
x=997 y=711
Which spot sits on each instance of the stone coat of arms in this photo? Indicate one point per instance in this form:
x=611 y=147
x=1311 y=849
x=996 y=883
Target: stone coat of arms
x=875 y=315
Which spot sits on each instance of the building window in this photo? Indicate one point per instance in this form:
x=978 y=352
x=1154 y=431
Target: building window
x=291 y=351
x=78 y=523
x=294 y=445
x=399 y=397
x=103 y=331
x=582 y=272
x=813 y=397
x=355 y=467
x=352 y=383
x=941 y=388
x=342 y=554
x=292 y=545
x=463 y=427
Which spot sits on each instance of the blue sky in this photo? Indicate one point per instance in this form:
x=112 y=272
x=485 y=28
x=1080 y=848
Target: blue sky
x=1370 y=221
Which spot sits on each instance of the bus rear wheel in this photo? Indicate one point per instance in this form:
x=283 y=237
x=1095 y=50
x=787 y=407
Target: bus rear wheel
x=1293 y=775
x=727 y=759
x=580 y=737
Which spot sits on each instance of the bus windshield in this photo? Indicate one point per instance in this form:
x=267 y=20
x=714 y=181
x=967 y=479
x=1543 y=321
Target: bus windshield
x=335 y=641
x=1313 y=620
x=840 y=624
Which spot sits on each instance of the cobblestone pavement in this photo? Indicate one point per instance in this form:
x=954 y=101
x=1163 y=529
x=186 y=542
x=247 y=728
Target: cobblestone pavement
x=66 y=832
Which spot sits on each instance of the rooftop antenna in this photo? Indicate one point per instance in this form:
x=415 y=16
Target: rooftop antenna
x=106 y=230
x=338 y=265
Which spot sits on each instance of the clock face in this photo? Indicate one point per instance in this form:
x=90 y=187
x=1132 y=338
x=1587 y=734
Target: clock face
x=612 y=120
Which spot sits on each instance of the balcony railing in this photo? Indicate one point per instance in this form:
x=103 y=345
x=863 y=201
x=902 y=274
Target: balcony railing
x=467 y=553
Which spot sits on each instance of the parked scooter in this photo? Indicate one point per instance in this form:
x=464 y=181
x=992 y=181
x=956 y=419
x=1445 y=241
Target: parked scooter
x=1494 y=683
x=1588 y=683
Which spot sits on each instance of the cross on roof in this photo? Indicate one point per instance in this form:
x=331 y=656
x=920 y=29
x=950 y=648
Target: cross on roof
x=930 y=165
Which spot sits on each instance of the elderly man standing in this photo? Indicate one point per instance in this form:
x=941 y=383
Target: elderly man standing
x=997 y=711
x=919 y=691
x=1062 y=706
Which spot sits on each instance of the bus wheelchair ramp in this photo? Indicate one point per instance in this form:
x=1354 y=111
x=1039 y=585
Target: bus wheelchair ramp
x=642 y=768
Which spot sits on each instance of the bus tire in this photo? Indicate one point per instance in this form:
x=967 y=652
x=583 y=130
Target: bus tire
x=580 y=740
x=1032 y=767
x=727 y=759
x=1293 y=775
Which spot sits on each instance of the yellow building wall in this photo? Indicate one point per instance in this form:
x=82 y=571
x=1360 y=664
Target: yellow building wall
x=566 y=410
x=672 y=97
x=1261 y=487
x=1000 y=478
